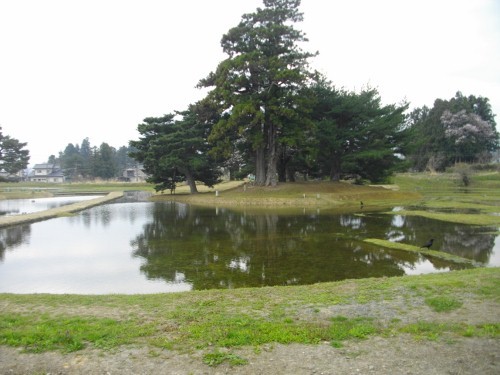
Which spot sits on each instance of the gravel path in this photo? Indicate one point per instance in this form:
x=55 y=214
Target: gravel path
x=395 y=355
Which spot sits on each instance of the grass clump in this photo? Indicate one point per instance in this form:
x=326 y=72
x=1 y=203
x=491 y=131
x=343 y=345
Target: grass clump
x=217 y=358
x=443 y=304
x=433 y=331
x=343 y=328
x=241 y=330
x=40 y=333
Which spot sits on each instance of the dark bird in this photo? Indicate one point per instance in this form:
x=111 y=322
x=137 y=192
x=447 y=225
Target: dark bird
x=428 y=244
x=361 y=204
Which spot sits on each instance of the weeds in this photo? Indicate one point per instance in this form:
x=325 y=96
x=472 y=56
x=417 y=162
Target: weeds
x=217 y=358
x=68 y=334
x=443 y=304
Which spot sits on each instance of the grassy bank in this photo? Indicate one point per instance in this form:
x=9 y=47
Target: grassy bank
x=434 y=307
x=315 y=194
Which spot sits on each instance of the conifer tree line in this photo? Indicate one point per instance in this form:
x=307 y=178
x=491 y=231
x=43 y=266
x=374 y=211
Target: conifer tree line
x=269 y=116
x=83 y=161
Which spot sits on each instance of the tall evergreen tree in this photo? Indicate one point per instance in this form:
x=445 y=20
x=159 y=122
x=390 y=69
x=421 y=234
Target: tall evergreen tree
x=104 y=162
x=86 y=157
x=13 y=155
x=71 y=161
x=175 y=149
x=258 y=84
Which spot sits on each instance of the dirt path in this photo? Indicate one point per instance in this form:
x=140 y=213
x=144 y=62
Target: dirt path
x=393 y=355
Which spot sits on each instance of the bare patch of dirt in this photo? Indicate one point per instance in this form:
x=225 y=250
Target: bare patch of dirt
x=394 y=355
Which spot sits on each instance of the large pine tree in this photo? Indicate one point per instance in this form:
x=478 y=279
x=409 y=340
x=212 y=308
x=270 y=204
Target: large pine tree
x=174 y=148
x=257 y=85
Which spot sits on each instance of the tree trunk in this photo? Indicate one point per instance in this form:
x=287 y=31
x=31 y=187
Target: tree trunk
x=282 y=173
x=190 y=180
x=272 y=170
x=272 y=154
x=283 y=168
x=260 y=167
x=335 y=169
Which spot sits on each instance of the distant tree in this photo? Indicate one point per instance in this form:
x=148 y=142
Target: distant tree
x=104 y=162
x=13 y=156
x=433 y=142
x=86 y=161
x=469 y=135
x=71 y=161
x=257 y=86
x=174 y=148
x=356 y=134
x=52 y=159
x=86 y=158
x=123 y=158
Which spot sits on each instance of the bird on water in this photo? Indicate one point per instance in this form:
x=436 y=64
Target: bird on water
x=428 y=244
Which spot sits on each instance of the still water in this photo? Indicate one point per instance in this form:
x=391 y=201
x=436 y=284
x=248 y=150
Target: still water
x=11 y=207
x=145 y=247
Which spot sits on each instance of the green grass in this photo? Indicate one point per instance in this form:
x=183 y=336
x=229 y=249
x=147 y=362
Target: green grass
x=241 y=330
x=217 y=358
x=225 y=319
x=39 y=333
x=434 y=331
x=443 y=303
x=343 y=328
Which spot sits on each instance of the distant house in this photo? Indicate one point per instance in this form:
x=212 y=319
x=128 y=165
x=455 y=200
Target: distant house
x=134 y=174
x=47 y=173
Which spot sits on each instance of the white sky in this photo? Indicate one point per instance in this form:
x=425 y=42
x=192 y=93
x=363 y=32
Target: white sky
x=71 y=69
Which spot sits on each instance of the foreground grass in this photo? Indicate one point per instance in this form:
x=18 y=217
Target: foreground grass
x=214 y=319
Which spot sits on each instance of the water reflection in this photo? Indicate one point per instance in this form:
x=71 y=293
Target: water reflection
x=146 y=247
x=232 y=249
x=10 y=207
x=13 y=237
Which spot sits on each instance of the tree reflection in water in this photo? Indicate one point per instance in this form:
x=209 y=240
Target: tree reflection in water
x=11 y=237
x=222 y=248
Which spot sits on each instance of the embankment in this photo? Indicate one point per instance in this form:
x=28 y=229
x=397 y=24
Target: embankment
x=58 y=211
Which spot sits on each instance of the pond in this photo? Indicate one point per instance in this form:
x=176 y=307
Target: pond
x=146 y=247
x=11 y=207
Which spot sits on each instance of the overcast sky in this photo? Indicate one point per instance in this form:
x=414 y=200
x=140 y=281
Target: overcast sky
x=96 y=68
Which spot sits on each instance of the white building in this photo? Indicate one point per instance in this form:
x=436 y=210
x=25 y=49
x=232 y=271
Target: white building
x=47 y=173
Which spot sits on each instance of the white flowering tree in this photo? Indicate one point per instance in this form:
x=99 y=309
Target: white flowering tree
x=469 y=135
